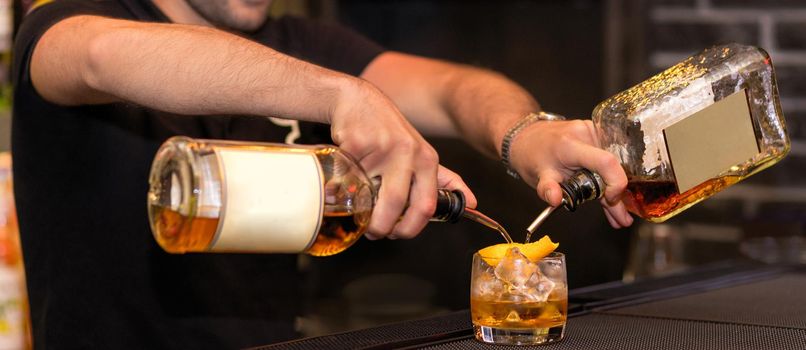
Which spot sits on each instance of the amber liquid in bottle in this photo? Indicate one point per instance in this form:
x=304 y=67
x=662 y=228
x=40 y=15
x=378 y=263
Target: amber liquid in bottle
x=322 y=211
x=339 y=230
x=658 y=200
x=177 y=233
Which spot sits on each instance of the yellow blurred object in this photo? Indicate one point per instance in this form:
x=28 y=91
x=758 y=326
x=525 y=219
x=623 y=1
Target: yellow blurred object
x=14 y=325
x=534 y=251
x=281 y=8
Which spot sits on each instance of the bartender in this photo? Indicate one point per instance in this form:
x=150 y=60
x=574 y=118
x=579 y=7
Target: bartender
x=100 y=84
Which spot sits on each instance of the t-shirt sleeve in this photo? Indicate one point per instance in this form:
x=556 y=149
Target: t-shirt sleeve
x=38 y=21
x=329 y=45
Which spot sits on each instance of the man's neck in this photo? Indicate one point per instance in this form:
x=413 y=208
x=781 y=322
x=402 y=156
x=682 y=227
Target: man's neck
x=180 y=12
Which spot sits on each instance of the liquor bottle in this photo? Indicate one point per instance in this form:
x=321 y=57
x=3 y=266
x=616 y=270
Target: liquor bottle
x=689 y=132
x=230 y=196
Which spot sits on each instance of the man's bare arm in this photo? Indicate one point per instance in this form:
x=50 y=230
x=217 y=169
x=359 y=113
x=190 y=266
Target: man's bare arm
x=178 y=68
x=197 y=70
x=443 y=98
x=447 y=99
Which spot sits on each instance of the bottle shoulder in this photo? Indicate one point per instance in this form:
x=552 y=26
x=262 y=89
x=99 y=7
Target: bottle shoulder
x=700 y=79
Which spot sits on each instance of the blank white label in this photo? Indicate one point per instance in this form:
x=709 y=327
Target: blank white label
x=273 y=201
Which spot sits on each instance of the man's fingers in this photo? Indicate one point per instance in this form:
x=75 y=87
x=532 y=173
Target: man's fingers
x=392 y=199
x=610 y=219
x=548 y=187
x=450 y=180
x=376 y=133
x=602 y=162
x=618 y=213
x=422 y=203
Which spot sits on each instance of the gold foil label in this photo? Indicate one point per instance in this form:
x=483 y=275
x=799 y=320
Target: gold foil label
x=711 y=141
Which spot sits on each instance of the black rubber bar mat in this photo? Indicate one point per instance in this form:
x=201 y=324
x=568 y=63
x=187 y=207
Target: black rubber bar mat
x=778 y=302
x=617 y=332
x=680 y=312
x=449 y=326
x=709 y=277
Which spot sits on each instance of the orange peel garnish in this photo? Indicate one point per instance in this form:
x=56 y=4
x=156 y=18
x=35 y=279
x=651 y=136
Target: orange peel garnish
x=534 y=251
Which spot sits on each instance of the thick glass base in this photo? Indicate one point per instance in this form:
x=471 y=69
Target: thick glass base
x=512 y=336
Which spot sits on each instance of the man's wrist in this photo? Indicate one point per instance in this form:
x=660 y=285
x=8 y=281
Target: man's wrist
x=338 y=91
x=512 y=133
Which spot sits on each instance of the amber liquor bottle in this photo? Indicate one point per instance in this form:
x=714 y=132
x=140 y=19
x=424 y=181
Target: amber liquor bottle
x=694 y=129
x=246 y=197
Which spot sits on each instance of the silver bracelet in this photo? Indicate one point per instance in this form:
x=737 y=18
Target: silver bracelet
x=506 y=144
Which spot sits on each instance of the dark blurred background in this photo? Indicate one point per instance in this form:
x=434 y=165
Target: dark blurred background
x=554 y=49
x=570 y=54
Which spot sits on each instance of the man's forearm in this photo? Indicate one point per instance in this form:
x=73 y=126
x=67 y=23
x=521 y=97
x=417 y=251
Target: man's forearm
x=484 y=104
x=442 y=98
x=178 y=68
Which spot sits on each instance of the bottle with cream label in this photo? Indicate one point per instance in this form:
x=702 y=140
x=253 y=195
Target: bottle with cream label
x=231 y=196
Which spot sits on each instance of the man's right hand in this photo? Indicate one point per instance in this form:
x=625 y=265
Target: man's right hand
x=366 y=124
x=548 y=152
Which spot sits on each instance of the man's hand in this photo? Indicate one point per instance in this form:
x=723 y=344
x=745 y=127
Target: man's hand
x=442 y=98
x=366 y=124
x=547 y=152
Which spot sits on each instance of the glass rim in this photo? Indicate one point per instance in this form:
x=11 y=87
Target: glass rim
x=555 y=255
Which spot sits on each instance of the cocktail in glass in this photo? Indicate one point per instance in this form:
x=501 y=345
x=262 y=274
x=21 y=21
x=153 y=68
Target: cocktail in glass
x=517 y=301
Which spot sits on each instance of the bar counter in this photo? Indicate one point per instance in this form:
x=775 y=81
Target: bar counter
x=730 y=305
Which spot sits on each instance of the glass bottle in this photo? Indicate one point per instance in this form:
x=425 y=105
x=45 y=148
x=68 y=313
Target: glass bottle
x=696 y=128
x=230 y=196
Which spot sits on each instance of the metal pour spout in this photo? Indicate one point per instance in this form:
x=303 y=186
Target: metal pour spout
x=583 y=186
x=539 y=220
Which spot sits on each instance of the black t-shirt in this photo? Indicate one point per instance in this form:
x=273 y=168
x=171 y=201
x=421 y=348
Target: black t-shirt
x=96 y=278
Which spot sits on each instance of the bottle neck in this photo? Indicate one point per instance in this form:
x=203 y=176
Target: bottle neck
x=583 y=186
x=450 y=206
x=450 y=203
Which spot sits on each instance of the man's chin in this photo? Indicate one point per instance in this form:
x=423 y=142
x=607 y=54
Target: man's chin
x=250 y=19
x=250 y=25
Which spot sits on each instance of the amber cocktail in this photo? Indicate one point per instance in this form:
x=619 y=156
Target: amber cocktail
x=514 y=300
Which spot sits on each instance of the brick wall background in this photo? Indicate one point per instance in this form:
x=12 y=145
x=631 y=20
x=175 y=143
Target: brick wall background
x=772 y=204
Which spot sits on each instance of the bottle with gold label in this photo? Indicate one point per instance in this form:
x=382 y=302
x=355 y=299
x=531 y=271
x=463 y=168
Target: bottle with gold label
x=689 y=132
x=230 y=196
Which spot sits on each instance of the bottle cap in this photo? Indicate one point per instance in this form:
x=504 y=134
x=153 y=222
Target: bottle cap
x=583 y=186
